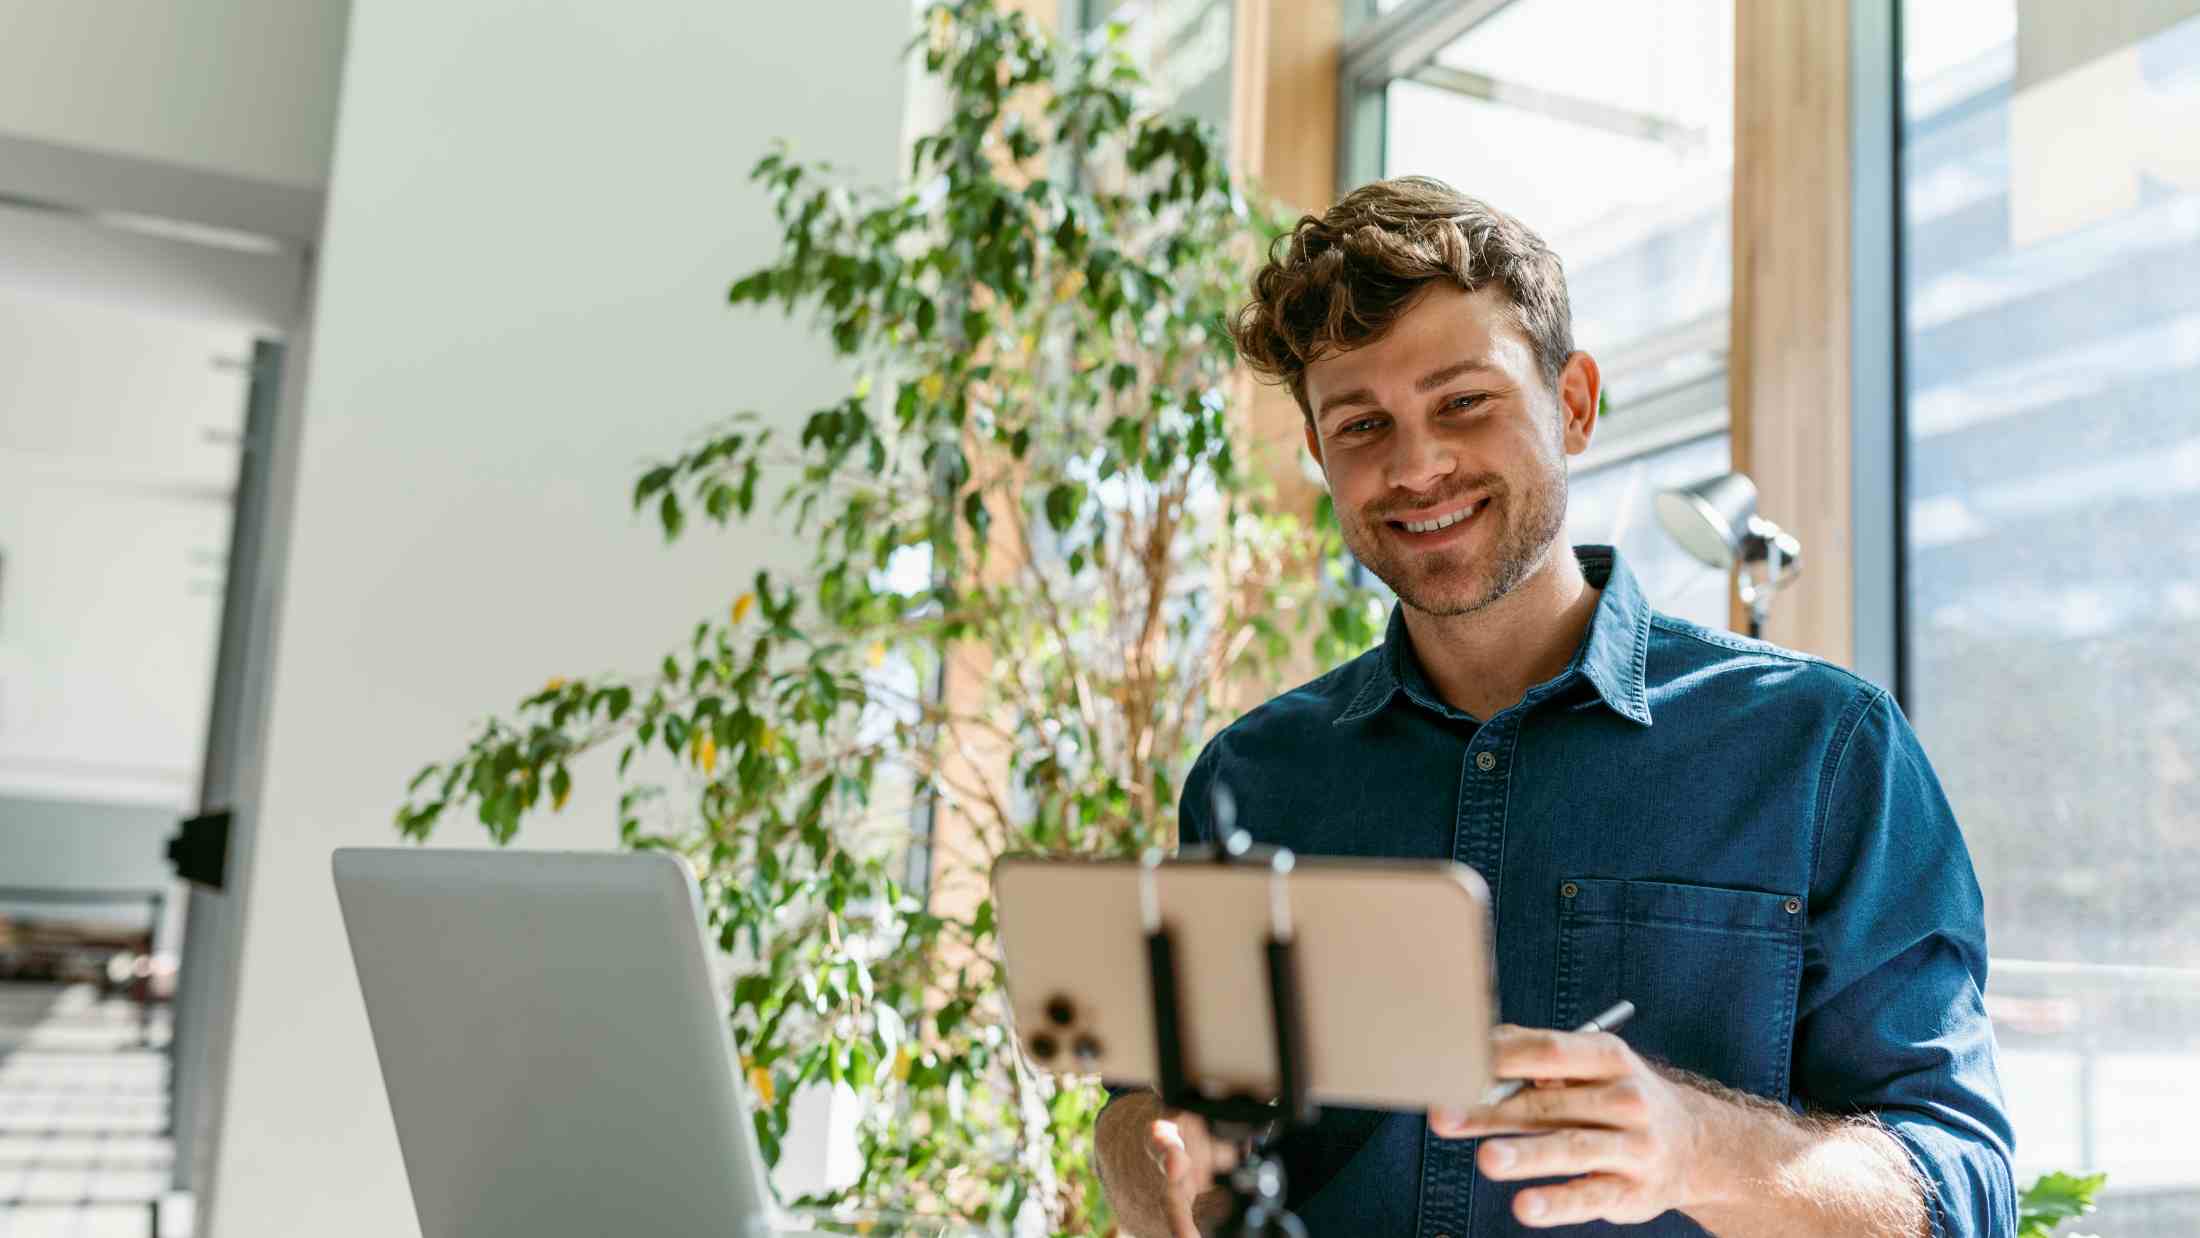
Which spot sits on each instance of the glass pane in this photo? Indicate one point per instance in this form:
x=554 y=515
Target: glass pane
x=1612 y=506
x=2052 y=213
x=1184 y=46
x=1606 y=126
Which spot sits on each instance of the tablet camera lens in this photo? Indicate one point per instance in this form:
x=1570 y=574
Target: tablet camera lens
x=1044 y=1047
x=1087 y=1050
x=1061 y=1011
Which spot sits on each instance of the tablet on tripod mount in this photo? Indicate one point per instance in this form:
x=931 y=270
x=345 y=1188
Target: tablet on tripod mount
x=1391 y=962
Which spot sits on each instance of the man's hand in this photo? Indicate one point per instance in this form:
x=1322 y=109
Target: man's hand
x=1598 y=1111
x=1638 y=1140
x=1159 y=1169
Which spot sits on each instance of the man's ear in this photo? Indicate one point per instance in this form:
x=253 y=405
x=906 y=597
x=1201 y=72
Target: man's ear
x=1579 y=386
x=1314 y=447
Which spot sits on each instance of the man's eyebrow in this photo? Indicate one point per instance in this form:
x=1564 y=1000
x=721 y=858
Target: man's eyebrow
x=1437 y=378
x=1358 y=395
x=1428 y=382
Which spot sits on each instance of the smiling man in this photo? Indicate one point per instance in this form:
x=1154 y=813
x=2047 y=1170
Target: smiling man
x=1746 y=842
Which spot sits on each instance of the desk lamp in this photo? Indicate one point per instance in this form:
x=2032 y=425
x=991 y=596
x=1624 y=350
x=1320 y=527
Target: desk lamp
x=1716 y=521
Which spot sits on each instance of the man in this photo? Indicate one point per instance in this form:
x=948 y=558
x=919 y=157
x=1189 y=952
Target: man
x=1746 y=842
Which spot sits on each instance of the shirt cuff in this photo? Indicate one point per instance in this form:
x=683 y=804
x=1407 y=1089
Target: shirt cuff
x=1969 y=1192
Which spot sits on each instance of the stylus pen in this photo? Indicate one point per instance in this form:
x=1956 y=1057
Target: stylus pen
x=1609 y=1021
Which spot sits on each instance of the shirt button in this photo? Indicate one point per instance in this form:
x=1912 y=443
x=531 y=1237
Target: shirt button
x=1568 y=890
x=1794 y=905
x=1485 y=761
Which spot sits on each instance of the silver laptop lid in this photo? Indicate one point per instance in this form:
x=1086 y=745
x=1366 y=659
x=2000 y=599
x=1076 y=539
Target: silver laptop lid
x=557 y=1061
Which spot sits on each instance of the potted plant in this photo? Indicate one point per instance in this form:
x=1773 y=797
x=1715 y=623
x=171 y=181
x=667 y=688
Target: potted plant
x=1038 y=568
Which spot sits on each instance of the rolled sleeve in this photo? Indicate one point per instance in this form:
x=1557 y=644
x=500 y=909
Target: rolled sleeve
x=1891 y=1018
x=1971 y=1189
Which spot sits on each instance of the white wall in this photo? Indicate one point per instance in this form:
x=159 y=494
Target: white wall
x=242 y=87
x=534 y=213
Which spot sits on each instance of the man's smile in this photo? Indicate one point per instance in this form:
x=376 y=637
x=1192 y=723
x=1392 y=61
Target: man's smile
x=1438 y=526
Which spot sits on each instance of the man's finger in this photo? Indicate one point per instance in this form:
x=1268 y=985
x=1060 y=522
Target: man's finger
x=1594 y=1198
x=1614 y=1105
x=1564 y=1153
x=1540 y=1053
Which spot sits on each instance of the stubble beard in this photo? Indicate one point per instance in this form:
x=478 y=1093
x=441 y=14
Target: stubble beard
x=1451 y=582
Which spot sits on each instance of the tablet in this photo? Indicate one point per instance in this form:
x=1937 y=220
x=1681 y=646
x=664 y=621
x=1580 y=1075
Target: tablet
x=1393 y=960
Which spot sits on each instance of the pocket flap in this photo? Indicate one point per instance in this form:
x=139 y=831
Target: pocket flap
x=1674 y=902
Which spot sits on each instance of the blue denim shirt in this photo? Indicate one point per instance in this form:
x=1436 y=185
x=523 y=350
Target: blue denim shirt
x=1746 y=842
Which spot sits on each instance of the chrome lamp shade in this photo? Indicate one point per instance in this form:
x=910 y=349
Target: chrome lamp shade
x=1716 y=521
x=1710 y=518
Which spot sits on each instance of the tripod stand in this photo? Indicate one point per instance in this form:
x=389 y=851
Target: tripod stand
x=1257 y=1184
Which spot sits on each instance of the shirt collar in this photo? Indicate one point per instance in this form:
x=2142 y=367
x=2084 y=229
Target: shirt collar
x=1613 y=658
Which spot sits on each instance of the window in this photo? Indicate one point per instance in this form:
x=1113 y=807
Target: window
x=1608 y=129
x=1184 y=46
x=2051 y=171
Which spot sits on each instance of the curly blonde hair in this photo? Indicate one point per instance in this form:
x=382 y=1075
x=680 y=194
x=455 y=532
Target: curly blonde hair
x=1341 y=280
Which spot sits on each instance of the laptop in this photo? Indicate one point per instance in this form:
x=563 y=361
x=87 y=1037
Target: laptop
x=557 y=1060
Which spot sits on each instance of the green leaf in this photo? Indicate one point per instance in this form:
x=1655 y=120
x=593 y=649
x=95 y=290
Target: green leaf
x=650 y=483
x=1063 y=501
x=754 y=286
x=719 y=501
x=976 y=515
x=2054 y=1198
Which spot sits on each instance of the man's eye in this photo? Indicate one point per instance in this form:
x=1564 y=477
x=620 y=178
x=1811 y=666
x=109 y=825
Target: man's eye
x=1364 y=423
x=1465 y=401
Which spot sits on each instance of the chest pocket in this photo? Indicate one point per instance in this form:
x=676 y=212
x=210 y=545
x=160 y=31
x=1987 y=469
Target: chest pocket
x=1712 y=972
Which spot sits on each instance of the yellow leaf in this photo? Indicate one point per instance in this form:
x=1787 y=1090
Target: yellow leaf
x=706 y=752
x=558 y=805
x=1031 y=342
x=760 y=1082
x=932 y=385
x=878 y=653
x=902 y=1060
x=742 y=605
x=556 y=682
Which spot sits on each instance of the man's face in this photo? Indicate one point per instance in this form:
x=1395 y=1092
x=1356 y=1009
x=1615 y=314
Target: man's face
x=1446 y=450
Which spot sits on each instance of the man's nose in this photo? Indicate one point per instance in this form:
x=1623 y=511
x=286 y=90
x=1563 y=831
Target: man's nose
x=1419 y=459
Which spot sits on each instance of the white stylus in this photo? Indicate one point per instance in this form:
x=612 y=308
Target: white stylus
x=1609 y=1021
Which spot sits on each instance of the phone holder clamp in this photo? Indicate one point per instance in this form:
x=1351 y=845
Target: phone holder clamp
x=1257 y=1183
